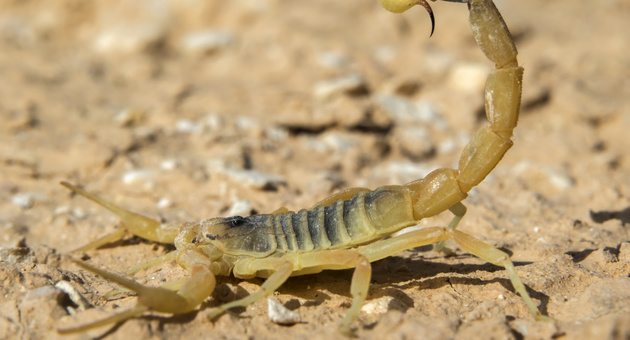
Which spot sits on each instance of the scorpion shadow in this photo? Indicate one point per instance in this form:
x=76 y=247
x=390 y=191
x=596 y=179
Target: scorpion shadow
x=603 y=216
x=393 y=275
x=162 y=321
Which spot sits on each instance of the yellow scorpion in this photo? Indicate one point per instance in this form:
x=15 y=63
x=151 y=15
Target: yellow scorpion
x=349 y=229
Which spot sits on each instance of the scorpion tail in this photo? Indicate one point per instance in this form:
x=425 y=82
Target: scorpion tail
x=397 y=6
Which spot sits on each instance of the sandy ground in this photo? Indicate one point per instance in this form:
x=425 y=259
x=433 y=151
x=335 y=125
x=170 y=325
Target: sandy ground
x=183 y=110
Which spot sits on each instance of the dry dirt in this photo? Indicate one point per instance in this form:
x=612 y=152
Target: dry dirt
x=184 y=110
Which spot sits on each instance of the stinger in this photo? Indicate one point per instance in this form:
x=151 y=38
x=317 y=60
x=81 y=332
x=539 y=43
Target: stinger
x=430 y=11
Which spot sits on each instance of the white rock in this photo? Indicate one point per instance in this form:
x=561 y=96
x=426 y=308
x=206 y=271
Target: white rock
x=23 y=200
x=404 y=112
x=240 y=208
x=252 y=178
x=164 y=202
x=277 y=134
x=132 y=26
x=129 y=38
x=214 y=121
x=415 y=141
x=247 y=123
x=333 y=59
x=78 y=213
x=74 y=295
x=383 y=305
x=207 y=41
x=344 y=84
x=188 y=126
x=169 y=164
x=61 y=209
x=280 y=314
x=340 y=142
x=132 y=176
x=558 y=178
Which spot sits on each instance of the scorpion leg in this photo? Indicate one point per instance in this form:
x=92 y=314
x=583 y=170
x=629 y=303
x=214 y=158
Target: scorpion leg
x=459 y=210
x=417 y=238
x=130 y=222
x=281 y=269
x=343 y=259
x=247 y=268
x=498 y=258
x=190 y=294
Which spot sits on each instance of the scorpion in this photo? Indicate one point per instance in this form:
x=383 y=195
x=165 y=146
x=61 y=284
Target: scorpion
x=349 y=229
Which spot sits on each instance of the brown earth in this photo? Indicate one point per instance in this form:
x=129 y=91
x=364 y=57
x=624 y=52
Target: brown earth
x=183 y=110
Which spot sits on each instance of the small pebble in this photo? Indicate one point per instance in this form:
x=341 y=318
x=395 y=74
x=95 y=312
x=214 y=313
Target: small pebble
x=240 y=208
x=280 y=314
x=169 y=164
x=352 y=83
x=340 y=142
x=74 y=295
x=333 y=59
x=253 y=179
x=23 y=200
x=246 y=123
x=558 y=178
x=415 y=141
x=78 y=213
x=208 y=41
x=130 y=38
x=164 y=202
x=62 y=209
x=188 y=126
x=132 y=176
x=383 y=305
x=214 y=121
x=405 y=112
x=277 y=134
x=129 y=117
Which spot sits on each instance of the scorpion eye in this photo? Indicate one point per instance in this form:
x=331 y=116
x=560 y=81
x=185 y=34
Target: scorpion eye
x=234 y=221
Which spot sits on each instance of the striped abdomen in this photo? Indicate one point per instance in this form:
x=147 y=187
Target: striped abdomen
x=364 y=217
x=345 y=223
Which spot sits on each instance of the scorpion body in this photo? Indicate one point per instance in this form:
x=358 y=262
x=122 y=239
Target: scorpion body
x=346 y=230
x=343 y=224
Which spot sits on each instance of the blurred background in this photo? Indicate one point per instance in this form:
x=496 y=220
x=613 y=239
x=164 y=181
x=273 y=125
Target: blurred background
x=184 y=110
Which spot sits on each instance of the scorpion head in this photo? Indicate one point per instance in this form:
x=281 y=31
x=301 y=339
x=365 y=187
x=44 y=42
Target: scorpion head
x=236 y=235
